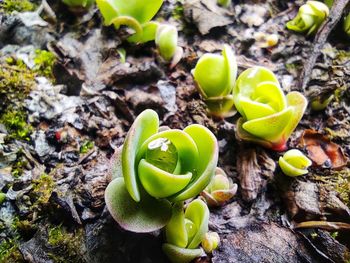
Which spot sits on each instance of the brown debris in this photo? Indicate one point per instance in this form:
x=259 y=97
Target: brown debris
x=255 y=168
x=322 y=151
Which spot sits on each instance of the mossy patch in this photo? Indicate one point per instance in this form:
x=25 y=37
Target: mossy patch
x=8 y=6
x=9 y=252
x=42 y=191
x=86 y=146
x=44 y=62
x=67 y=246
x=16 y=124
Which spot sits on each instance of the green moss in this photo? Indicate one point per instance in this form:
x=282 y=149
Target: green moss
x=44 y=62
x=86 y=146
x=178 y=11
x=9 y=252
x=8 y=6
x=42 y=191
x=16 y=82
x=67 y=246
x=16 y=124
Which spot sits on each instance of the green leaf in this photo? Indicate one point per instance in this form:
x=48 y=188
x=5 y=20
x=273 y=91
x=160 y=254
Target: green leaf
x=148 y=33
x=181 y=255
x=145 y=125
x=159 y=183
x=294 y=163
x=145 y=216
x=166 y=41
x=208 y=155
x=108 y=10
x=184 y=143
x=198 y=212
x=270 y=127
x=175 y=230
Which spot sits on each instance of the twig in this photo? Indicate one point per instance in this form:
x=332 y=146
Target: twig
x=321 y=38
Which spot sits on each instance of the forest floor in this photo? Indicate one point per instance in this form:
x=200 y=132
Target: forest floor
x=68 y=98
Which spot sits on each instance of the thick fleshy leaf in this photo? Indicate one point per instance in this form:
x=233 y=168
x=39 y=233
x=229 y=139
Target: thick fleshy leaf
x=186 y=147
x=108 y=10
x=144 y=126
x=254 y=110
x=159 y=183
x=270 y=93
x=175 y=230
x=210 y=74
x=166 y=41
x=298 y=102
x=181 y=255
x=232 y=68
x=271 y=127
x=198 y=212
x=208 y=155
x=148 y=215
x=148 y=33
x=294 y=163
x=116 y=164
x=141 y=10
x=249 y=81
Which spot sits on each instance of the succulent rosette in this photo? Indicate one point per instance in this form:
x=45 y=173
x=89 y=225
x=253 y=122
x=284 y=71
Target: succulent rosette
x=185 y=231
x=166 y=41
x=135 y=14
x=155 y=168
x=294 y=163
x=220 y=190
x=268 y=116
x=215 y=77
x=309 y=18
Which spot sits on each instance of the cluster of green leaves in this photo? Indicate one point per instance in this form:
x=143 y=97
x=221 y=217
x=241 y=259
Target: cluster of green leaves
x=268 y=116
x=8 y=6
x=154 y=172
x=86 y=146
x=309 y=18
x=9 y=252
x=220 y=190
x=294 y=163
x=215 y=76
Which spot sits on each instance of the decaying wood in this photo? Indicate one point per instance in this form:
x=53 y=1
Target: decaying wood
x=334 y=16
x=254 y=167
x=330 y=226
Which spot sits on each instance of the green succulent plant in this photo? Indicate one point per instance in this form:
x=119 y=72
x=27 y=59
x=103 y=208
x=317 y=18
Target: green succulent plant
x=156 y=168
x=224 y=3
x=294 y=163
x=220 y=190
x=135 y=14
x=210 y=242
x=79 y=3
x=268 y=116
x=185 y=231
x=215 y=77
x=309 y=18
x=166 y=41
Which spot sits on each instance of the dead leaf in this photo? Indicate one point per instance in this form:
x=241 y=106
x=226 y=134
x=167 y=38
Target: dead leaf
x=322 y=151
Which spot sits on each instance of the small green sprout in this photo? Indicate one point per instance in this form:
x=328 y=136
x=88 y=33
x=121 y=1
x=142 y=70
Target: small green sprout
x=166 y=41
x=319 y=103
x=156 y=168
x=268 y=116
x=210 y=242
x=224 y=3
x=215 y=77
x=185 y=231
x=79 y=3
x=17 y=5
x=220 y=190
x=135 y=14
x=294 y=163
x=309 y=18
x=347 y=24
